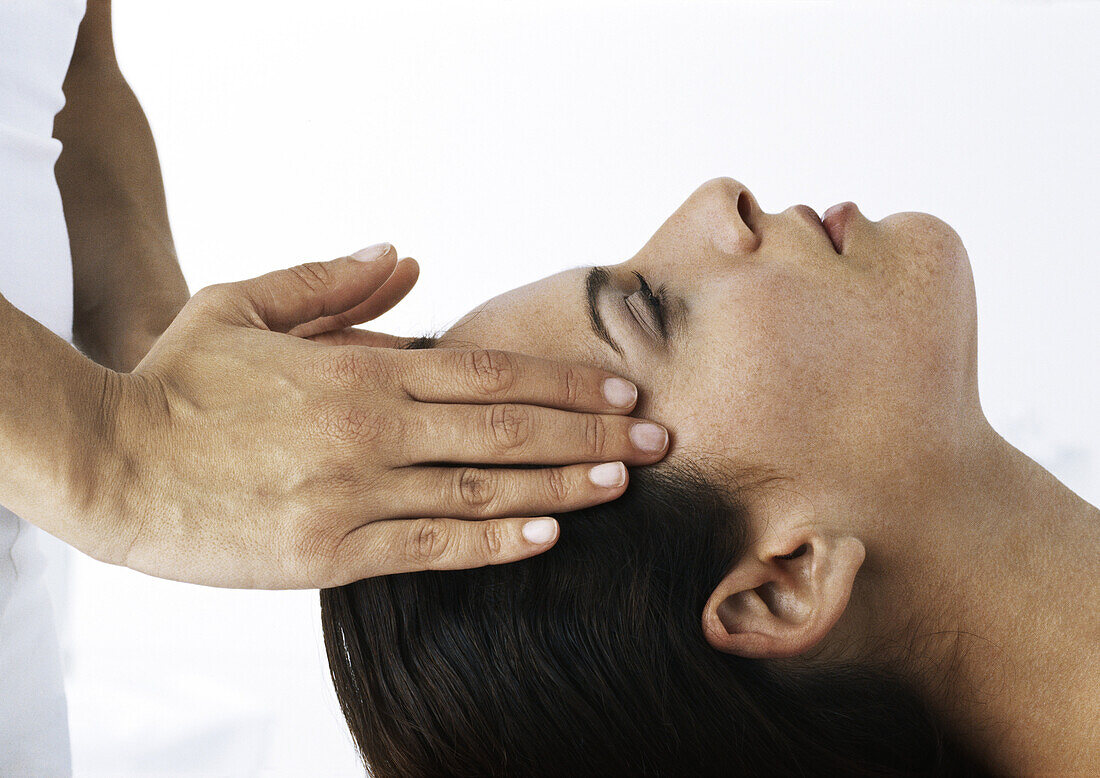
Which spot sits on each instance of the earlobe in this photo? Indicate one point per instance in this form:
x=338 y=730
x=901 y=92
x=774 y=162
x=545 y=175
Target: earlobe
x=784 y=604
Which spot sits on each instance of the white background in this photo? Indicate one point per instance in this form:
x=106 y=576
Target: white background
x=501 y=142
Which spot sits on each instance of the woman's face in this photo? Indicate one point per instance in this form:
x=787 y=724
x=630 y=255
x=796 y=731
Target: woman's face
x=771 y=348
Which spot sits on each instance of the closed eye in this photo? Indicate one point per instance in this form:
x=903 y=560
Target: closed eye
x=659 y=313
x=649 y=308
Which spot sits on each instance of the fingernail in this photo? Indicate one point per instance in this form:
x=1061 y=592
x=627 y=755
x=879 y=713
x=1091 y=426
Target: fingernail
x=609 y=474
x=620 y=393
x=649 y=437
x=371 y=253
x=540 y=531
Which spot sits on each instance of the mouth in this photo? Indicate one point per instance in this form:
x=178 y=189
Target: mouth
x=835 y=221
x=810 y=215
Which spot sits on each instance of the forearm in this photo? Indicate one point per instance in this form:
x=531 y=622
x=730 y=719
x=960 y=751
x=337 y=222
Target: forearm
x=51 y=427
x=127 y=281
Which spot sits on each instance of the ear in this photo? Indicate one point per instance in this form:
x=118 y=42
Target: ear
x=779 y=601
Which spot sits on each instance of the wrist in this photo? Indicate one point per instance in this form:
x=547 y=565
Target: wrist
x=112 y=489
x=93 y=479
x=62 y=468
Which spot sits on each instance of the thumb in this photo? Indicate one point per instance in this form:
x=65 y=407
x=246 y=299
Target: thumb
x=286 y=298
x=399 y=284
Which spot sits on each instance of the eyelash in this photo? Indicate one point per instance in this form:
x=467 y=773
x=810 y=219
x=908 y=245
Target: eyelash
x=655 y=301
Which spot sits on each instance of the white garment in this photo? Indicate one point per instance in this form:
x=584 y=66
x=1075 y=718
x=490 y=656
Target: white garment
x=36 y=44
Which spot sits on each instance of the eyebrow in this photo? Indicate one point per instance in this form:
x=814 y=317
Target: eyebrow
x=594 y=282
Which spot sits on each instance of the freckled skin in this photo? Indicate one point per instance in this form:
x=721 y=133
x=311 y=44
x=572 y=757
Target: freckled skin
x=849 y=384
x=819 y=366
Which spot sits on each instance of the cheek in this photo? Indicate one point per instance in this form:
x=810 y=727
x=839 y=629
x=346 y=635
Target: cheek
x=799 y=369
x=780 y=361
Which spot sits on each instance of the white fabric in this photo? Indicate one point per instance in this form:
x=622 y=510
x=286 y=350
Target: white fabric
x=36 y=44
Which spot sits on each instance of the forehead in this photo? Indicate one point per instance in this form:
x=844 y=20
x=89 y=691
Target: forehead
x=546 y=318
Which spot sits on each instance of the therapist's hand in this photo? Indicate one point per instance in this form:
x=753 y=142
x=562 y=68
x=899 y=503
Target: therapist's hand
x=242 y=453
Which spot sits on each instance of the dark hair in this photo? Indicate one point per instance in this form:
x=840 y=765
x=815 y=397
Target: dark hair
x=590 y=659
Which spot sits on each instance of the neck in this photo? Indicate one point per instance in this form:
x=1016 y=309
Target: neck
x=997 y=576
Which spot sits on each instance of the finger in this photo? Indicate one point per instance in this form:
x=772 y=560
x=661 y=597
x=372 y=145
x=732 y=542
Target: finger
x=390 y=547
x=529 y=434
x=286 y=298
x=400 y=282
x=492 y=376
x=357 y=337
x=487 y=493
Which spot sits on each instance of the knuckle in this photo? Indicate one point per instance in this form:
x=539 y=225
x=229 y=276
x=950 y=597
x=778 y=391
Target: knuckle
x=573 y=383
x=556 y=487
x=352 y=367
x=349 y=423
x=490 y=371
x=427 y=541
x=595 y=435
x=492 y=539
x=219 y=299
x=316 y=276
x=346 y=477
x=510 y=426
x=202 y=296
x=209 y=295
x=313 y=554
x=473 y=489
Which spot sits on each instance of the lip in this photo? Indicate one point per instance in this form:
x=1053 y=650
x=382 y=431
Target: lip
x=810 y=215
x=835 y=221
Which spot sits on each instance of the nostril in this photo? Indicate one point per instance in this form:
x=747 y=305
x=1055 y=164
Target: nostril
x=744 y=208
x=800 y=551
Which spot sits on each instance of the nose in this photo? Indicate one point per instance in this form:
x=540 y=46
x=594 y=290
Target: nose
x=731 y=214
